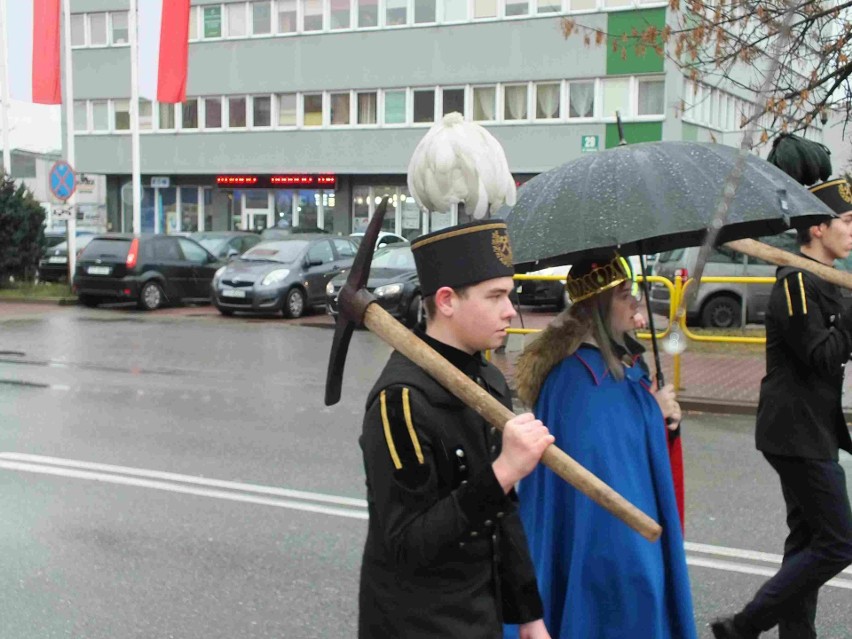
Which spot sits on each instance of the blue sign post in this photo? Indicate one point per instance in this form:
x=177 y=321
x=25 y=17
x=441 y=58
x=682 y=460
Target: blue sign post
x=63 y=180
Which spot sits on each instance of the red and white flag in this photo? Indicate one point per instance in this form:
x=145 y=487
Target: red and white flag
x=32 y=32
x=163 y=49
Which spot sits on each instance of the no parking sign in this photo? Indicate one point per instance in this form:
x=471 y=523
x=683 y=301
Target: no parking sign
x=63 y=180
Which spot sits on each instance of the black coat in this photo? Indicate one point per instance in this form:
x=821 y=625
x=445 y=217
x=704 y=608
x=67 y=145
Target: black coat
x=446 y=554
x=808 y=342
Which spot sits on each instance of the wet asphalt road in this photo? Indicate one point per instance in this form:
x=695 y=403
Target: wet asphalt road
x=177 y=475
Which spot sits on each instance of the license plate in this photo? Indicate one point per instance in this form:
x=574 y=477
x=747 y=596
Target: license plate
x=99 y=270
x=232 y=292
x=58 y=260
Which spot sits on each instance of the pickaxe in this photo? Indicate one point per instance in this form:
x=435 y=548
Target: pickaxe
x=356 y=307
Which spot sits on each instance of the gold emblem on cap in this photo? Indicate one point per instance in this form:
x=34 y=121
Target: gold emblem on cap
x=845 y=191
x=502 y=248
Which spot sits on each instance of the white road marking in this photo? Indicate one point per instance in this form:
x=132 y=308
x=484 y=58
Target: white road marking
x=731 y=566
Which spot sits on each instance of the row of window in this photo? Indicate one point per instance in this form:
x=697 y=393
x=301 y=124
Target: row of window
x=634 y=97
x=281 y=17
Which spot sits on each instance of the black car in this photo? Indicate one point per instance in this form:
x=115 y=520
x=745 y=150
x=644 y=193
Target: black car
x=287 y=275
x=150 y=270
x=53 y=265
x=226 y=244
x=393 y=280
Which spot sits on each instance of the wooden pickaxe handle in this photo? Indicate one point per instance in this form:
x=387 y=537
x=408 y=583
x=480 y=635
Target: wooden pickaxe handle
x=391 y=331
x=780 y=257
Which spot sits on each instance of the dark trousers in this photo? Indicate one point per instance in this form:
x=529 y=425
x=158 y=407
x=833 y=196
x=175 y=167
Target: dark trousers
x=818 y=547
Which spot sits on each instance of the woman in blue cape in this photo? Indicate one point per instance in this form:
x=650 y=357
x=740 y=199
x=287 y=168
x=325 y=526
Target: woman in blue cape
x=597 y=577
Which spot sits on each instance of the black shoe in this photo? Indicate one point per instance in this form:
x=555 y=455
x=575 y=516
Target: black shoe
x=725 y=628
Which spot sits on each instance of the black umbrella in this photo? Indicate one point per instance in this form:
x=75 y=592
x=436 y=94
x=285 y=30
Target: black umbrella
x=649 y=197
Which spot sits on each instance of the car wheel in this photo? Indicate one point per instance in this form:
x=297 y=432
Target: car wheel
x=415 y=312
x=723 y=311
x=89 y=300
x=151 y=296
x=294 y=303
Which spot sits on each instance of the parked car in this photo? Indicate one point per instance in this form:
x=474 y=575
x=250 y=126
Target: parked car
x=53 y=265
x=720 y=305
x=384 y=239
x=151 y=270
x=393 y=280
x=54 y=237
x=278 y=233
x=226 y=244
x=544 y=292
x=288 y=275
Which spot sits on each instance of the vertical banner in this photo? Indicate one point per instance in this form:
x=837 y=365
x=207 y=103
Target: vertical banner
x=32 y=36
x=163 y=49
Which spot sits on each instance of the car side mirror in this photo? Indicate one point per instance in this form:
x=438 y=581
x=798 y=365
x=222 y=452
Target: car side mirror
x=309 y=262
x=382 y=245
x=232 y=253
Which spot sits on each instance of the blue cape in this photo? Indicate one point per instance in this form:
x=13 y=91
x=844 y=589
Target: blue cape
x=598 y=578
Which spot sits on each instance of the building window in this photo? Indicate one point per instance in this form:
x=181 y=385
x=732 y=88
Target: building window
x=368 y=13
x=453 y=100
x=286 y=109
x=146 y=115
x=213 y=22
x=312 y=10
x=424 y=11
x=485 y=103
x=81 y=115
x=424 y=105
x=100 y=115
x=615 y=4
x=341 y=17
x=396 y=12
x=78 y=29
x=367 y=107
x=515 y=107
x=286 y=16
x=339 y=108
x=236 y=113
x=651 y=97
x=518 y=7
x=583 y=5
x=212 y=113
x=549 y=6
x=167 y=116
x=261 y=110
x=23 y=166
x=616 y=97
x=193 y=23
x=581 y=99
x=237 y=23
x=395 y=107
x=484 y=8
x=97 y=29
x=121 y=115
x=189 y=114
x=312 y=109
x=120 y=33
x=189 y=208
x=547 y=100
x=455 y=11
x=261 y=17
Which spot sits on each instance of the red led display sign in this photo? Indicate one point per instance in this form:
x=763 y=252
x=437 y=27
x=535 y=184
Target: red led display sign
x=276 y=181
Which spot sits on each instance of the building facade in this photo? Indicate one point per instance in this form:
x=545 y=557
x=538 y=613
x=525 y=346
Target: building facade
x=306 y=112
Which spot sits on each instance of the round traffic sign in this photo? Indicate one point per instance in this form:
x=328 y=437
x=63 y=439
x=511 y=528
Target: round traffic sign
x=63 y=180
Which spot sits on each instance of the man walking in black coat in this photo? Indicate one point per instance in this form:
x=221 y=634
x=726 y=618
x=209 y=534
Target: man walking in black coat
x=801 y=427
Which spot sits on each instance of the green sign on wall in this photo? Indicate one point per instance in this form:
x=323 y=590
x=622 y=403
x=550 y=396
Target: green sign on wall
x=589 y=144
x=213 y=22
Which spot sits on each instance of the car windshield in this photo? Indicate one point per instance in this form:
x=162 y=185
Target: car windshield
x=401 y=258
x=212 y=244
x=113 y=248
x=82 y=242
x=284 y=252
x=671 y=256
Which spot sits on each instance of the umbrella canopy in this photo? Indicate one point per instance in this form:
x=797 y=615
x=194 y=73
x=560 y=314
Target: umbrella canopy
x=646 y=198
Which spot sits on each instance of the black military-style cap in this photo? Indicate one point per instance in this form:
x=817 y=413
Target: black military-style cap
x=462 y=255
x=836 y=194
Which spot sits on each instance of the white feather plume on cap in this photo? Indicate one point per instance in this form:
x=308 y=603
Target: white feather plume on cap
x=459 y=161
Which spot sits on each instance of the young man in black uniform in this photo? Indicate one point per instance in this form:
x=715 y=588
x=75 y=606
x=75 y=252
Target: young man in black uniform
x=800 y=427
x=446 y=555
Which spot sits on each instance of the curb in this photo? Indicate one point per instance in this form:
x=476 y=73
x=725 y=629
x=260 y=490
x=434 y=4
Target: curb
x=61 y=301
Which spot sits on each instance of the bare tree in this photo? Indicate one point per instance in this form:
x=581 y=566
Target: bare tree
x=733 y=42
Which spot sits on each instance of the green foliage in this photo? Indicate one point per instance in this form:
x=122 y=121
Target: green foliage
x=21 y=231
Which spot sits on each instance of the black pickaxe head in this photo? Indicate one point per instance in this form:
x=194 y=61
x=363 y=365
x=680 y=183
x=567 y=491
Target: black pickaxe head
x=352 y=303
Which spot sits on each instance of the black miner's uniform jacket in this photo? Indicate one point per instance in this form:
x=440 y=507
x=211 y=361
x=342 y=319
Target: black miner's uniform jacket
x=808 y=342
x=446 y=554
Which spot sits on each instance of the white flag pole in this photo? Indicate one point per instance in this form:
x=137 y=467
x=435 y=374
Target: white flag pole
x=69 y=143
x=4 y=51
x=134 y=118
